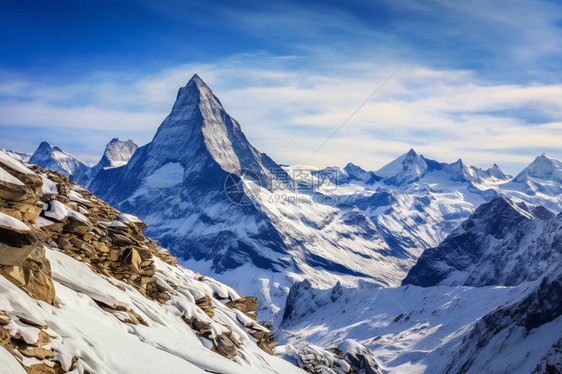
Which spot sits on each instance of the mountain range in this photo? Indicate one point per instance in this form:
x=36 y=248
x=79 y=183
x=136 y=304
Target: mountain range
x=412 y=267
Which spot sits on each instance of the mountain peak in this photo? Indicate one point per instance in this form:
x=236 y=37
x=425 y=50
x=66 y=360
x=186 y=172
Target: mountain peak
x=406 y=168
x=54 y=158
x=542 y=167
x=412 y=153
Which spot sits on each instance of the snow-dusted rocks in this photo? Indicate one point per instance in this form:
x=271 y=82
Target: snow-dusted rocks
x=504 y=242
x=94 y=295
x=54 y=158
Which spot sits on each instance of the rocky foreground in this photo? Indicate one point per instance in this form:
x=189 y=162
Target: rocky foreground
x=84 y=291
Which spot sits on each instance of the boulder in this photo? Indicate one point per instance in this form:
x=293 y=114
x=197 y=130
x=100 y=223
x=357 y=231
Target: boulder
x=16 y=245
x=206 y=304
x=80 y=244
x=33 y=275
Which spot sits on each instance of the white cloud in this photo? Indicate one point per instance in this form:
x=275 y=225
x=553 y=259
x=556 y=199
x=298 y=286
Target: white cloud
x=287 y=113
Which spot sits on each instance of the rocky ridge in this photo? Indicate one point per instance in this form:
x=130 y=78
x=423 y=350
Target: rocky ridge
x=48 y=223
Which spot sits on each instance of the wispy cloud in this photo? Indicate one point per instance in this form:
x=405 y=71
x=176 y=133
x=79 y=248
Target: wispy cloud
x=287 y=112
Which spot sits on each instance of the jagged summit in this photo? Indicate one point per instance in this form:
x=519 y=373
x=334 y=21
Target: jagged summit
x=118 y=152
x=543 y=167
x=487 y=248
x=54 y=158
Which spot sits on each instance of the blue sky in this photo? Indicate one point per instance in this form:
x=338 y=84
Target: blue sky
x=482 y=81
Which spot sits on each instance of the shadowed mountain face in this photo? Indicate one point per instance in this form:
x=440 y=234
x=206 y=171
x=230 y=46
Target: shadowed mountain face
x=502 y=243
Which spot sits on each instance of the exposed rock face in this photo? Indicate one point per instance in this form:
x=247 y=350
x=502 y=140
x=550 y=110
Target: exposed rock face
x=347 y=358
x=503 y=242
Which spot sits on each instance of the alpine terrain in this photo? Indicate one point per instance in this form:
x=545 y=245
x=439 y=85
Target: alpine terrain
x=421 y=266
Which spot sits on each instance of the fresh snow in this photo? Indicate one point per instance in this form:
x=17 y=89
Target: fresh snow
x=8 y=160
x=8 y=178
x=11 y=222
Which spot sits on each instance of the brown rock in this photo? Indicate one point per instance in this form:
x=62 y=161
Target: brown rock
x=100 y=247
x=63 y=189
x=29 y=212
x=33 y=275
x=15 y=245
x=244 y=304
x=43 y=339
x=55 y=227
x=4 y=318
x=206 y=304
x=131 y=257
x=12 y=212
x=6 y=340
x=63 y=243
x=40 y=369
x=16 y=192
x=114 y=254
x=148 y=271
x=119 y=239
x=224 y=346
x=80 y=244
x=78 y=227
x=37 y=352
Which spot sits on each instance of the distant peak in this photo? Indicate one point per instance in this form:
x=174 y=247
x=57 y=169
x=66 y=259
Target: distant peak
x=411 y=152
x=44 y=144
x=114 y=140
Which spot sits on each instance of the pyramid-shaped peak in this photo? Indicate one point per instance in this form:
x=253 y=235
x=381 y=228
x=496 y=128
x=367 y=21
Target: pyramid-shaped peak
x=195 y=92
x=412 y=152
x=44 y=145
x=197 y=84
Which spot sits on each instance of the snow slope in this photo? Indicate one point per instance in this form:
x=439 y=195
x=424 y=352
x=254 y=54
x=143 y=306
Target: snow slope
x=410 y=329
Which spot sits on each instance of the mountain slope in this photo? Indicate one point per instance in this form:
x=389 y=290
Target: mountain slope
x=502 y=243
x=54 y=158
x=84 y=291
x=521 y=337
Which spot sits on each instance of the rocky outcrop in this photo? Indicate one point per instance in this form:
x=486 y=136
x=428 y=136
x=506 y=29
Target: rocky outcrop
x=347 y=358
x=55 y=214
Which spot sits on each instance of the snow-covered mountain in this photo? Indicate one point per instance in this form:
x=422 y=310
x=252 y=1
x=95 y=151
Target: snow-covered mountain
x=459 y=321
x=54 y=158
x=117 y=153
x=504 y=242
x=539 y=183
x=226 y=209
x=83 y=291
x=20 y=156
x=416 y=202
